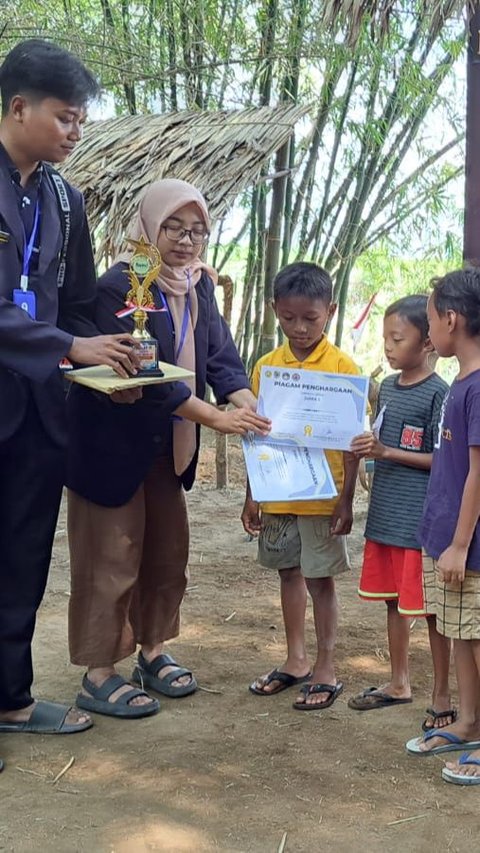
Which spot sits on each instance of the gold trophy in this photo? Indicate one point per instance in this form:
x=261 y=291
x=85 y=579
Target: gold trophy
x=144 y=268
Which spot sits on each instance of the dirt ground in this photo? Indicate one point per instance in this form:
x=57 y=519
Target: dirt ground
x=226 y=770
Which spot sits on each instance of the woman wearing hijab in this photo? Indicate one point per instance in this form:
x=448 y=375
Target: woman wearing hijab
x=129 y=465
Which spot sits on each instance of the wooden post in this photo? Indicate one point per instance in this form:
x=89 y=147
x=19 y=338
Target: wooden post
x=471 y=239
x=221 y=441
x=221 y=458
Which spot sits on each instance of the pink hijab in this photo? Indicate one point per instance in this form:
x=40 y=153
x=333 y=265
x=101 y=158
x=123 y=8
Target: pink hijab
x=161 y=200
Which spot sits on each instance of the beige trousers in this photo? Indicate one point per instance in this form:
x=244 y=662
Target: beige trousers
x=128 y=569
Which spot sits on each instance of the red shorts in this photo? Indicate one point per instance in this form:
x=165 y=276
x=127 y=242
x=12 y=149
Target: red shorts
x=391 y=573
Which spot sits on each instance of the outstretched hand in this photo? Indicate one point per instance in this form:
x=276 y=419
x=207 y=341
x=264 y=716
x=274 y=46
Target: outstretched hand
x=241 y=421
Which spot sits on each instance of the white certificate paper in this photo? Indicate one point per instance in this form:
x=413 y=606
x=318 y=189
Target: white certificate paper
x=313 y=409
x=286 y=473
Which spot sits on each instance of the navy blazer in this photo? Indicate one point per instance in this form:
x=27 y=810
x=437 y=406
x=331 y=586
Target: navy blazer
x=112 y=445
x=30 y=351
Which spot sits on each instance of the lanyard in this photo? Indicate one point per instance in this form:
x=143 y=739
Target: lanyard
x=185 y=320
x=28 y=248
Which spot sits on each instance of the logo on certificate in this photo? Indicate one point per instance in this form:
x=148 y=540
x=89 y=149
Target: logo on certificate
x=268 y=374
x=285 y=375
x=308 y=430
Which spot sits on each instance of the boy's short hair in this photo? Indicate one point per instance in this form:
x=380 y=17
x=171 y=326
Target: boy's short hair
x=460 y=291
x=303 y=279
x=41 y=69
x=414 y=309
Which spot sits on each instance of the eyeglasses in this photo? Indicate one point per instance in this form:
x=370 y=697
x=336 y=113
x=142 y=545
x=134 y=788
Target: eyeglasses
x=175 y=233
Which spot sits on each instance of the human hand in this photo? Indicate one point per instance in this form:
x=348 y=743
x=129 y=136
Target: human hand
x=367 y=444
x=342 y=518
x=251 y=517
x=127 y=395
x=117 y=351
x=451 y=564
x=243 y=398
x=241 y=421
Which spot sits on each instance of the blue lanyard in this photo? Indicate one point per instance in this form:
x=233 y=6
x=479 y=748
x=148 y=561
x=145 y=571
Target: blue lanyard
x=185 y=320
x=28 y=246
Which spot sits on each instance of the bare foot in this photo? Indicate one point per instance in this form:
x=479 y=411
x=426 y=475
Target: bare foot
x=466 y=769
x=441 y=705
x=181 y=681
x=319 y=676
x=464 y=731
x=396 y=691
x=99 y=677
x=73 y=718
x=296 y=667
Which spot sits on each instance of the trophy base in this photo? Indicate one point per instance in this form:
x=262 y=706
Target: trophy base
x=149 y=371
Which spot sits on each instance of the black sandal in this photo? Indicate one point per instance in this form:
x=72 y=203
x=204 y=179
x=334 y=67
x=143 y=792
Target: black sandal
x=333 y=690
x=438 y=715
x=146 y=673
x=286 y=680
x=99 y=702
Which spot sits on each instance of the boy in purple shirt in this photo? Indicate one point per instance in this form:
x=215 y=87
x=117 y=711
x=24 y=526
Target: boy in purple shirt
x=450 y=527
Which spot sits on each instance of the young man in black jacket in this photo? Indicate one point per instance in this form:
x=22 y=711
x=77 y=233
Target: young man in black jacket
x=47 y=289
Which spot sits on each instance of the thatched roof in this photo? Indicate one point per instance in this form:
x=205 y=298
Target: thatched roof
x=220 y=152
x=378 y=12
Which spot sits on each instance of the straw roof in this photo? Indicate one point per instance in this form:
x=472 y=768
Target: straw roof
x=220 y=152
x=352 y=13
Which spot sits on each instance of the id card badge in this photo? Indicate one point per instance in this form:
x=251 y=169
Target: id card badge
x=27 y=300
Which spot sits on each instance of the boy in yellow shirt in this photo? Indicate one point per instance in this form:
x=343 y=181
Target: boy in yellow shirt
x=305 y=540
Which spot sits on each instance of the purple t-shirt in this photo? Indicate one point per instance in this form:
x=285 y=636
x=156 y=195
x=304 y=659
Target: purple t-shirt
x=459 y=429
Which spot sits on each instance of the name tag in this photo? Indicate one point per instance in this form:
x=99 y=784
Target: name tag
x=27 y=301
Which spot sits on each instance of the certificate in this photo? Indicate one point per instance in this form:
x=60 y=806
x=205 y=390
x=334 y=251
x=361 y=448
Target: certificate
x=103 y=378
x=285 y=473
x=313 y=409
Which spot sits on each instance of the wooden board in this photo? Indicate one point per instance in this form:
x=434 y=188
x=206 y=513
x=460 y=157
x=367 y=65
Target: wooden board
x=104 y=379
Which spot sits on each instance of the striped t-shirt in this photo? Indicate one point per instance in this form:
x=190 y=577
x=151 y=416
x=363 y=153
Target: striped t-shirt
x=410 y=422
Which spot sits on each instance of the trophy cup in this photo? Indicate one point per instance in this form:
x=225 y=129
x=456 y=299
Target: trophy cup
x=143 y=269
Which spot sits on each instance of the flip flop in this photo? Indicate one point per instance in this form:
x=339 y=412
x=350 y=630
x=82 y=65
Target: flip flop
x=458 y=778
x=146 y=674
x=310 y=689
x=372 y=698
x=454 y=743
x=47 y=718
x=98 y=700
x=438 y=715
x=286 y=680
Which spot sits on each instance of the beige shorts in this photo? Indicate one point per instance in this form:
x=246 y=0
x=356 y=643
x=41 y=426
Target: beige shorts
x=457 y=608
x=288 y=541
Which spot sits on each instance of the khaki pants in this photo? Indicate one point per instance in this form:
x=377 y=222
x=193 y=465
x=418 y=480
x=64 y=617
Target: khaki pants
x=128 y=567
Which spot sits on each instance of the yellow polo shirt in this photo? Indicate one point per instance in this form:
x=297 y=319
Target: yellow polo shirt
x=329 y=359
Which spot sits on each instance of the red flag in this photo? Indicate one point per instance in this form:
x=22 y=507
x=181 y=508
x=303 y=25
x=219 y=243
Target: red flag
x=361 y=322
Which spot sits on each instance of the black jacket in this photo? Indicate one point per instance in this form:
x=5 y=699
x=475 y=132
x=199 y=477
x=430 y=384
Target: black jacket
x=112 y=446
x=30 y=351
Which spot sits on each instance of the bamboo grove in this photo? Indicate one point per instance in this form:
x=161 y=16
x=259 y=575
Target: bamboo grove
x=369 y=161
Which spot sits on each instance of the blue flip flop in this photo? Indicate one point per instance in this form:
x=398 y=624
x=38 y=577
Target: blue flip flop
x=457 y=778
x=454 y=743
